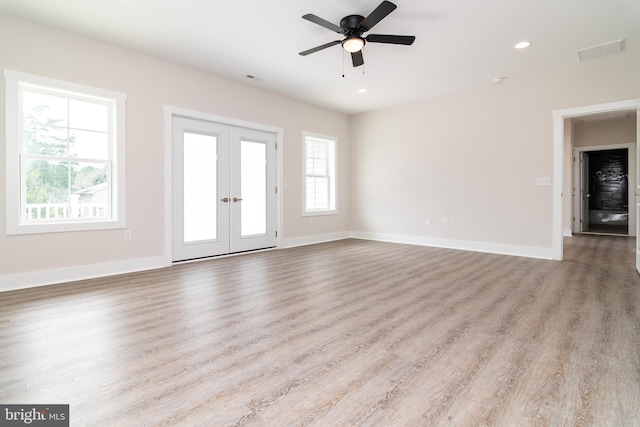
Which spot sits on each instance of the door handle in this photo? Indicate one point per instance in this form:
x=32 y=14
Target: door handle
x=226 y=200
x=235 y=199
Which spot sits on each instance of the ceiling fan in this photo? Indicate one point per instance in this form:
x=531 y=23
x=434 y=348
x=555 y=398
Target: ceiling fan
x=353 y=27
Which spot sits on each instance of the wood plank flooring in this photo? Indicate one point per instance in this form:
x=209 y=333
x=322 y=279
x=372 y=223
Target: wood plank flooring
x=348 y=333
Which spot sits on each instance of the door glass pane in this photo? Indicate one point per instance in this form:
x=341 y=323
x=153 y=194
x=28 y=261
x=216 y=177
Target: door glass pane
x=253 y=184
x=200 y=187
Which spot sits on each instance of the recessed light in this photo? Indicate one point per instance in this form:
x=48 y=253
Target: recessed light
x=363 y=90
x=522 y=45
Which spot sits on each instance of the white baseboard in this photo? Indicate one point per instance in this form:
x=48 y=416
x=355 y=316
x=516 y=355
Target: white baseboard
x=492 y=248
x=33 y=279
x=61 y=275
x=318 y=238
x=566 y=232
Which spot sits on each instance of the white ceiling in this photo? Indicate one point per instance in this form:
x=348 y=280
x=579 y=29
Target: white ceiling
x=460 y=44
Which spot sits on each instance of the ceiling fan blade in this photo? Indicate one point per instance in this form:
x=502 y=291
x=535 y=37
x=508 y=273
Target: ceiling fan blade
x=317 y=48
x=387 y=38
x=385 y=8
x=322 y=22
x=357 y=59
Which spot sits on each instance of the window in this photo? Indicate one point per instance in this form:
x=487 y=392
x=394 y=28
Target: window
x=64 y=156
x=319 y=174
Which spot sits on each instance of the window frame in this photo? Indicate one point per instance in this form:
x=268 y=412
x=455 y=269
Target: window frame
x=332 y=161
x=15 y=159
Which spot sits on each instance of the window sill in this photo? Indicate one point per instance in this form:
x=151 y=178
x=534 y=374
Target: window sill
x=320 y=213
x=61 y=227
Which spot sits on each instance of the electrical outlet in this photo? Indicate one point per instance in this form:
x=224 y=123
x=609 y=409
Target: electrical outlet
x=445 y=222
x=543 y=180
x=128 y=236
x=427 y=221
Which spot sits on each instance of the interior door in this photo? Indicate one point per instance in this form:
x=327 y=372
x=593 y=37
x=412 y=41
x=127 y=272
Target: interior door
x=584 y=191
x=224 y=189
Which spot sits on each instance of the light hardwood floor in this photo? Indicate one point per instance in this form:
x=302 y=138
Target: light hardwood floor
x=338 y=334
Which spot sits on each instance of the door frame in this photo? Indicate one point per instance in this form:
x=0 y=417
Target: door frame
x=559 y=145
x=577 y=183
x=169 y=113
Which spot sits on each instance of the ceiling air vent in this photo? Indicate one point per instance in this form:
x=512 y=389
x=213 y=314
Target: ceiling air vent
x=601 y=50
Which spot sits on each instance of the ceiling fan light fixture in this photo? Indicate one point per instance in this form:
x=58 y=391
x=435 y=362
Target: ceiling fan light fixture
x=353 y=44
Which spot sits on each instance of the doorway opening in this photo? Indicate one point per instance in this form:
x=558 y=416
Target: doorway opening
x=563 y=183
x=604 y=192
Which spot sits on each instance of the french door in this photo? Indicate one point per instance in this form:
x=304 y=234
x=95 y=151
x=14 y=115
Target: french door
x=223 y=189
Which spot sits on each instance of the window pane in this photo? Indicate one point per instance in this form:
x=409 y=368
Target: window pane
x=89 y=145
x=316 y=166
x=53 y=109
x=90 y=192
x=317 y=193
x=253 y=184
x=47 y=182
x=44 y=123
x=316 y=158
x=61 y=190
x=200 y=187
x=88 y=115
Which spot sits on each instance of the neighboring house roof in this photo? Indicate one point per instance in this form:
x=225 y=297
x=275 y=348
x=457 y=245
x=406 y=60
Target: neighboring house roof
x=93 y=189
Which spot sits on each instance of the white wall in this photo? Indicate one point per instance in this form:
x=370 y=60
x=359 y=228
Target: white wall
x=604 y=132
x=473 y=158
x=149 y=84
